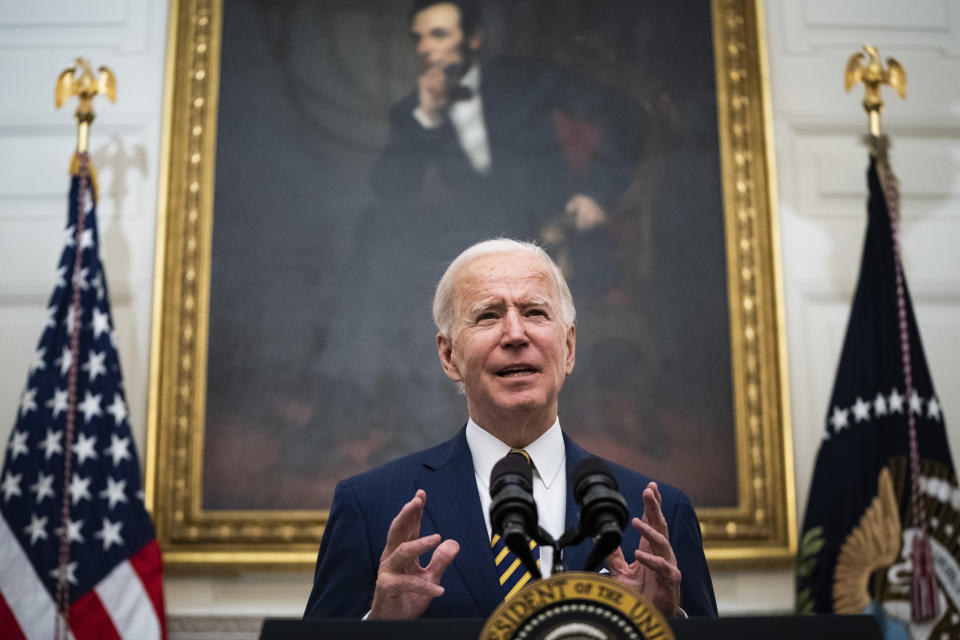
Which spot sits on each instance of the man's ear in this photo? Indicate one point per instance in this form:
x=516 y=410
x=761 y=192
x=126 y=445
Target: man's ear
x=445 y=351
x=475 y=41
x=571 y=348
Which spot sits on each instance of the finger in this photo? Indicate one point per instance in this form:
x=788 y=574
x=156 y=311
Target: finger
x=406 y=525
x=652 y=512
x=653 y=492
x=660 y=566
x=408 y=553
x=658 y=542
x=392 y=584
x=441 y=559
x=616 y=563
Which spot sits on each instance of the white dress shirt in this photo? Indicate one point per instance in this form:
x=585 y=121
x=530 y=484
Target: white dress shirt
x=548 y=456
x=466 y=116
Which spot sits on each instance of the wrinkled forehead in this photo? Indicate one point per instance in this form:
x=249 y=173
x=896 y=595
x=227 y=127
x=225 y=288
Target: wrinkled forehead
x=520 y=276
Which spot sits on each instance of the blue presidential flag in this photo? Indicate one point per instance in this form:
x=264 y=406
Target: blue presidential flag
x=882 y=527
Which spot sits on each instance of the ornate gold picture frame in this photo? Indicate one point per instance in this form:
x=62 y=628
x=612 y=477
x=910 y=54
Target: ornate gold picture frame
x=759 y=529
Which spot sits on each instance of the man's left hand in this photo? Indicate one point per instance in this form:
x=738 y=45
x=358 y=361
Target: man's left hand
x=654 y=572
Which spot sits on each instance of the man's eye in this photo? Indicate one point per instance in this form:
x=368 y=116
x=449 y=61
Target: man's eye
x=537 y=312
x=489 y=315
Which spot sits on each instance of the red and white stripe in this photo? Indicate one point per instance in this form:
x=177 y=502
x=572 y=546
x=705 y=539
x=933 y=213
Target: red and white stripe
x=127 y=603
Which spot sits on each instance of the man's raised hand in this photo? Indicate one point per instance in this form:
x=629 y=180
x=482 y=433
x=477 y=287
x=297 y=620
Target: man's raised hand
x=404 y=589
x=654 y=572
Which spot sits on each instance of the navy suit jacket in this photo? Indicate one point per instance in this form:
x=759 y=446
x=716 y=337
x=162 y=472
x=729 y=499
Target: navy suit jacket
x=364 y=506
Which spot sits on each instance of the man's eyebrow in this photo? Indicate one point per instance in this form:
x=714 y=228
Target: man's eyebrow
x=533 y=302
x=485 y=305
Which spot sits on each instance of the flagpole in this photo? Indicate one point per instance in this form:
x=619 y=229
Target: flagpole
x=873 y=75
x=76 y=81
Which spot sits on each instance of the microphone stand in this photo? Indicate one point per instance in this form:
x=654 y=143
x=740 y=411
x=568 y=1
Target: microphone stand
x=545 y=539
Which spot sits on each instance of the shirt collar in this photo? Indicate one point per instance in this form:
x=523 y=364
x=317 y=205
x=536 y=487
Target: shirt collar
x=546 y=452
x=471 y=79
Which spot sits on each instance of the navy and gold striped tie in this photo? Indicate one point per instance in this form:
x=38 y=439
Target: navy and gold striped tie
x=513 y=575
x=511 y=572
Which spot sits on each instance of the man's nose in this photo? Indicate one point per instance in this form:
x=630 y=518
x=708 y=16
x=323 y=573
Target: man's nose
x=423 y=48
x=514 y=331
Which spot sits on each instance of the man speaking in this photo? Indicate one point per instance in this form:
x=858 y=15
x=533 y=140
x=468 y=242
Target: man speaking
x=413 y=537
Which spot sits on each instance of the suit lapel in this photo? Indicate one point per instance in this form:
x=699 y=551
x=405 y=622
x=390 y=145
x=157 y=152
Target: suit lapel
x=453 y=506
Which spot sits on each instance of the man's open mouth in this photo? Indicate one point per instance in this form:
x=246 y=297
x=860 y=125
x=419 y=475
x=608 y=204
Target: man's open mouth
x=515 y=371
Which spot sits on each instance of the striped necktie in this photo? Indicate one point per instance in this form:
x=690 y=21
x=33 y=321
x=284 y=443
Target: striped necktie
x=511 y=572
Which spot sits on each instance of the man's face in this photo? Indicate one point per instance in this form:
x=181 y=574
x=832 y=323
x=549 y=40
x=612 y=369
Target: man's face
x=510 y=348
x=439 y=39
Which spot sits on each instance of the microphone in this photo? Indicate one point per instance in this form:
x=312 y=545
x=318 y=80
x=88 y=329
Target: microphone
x=603 y=510
x=513 y=512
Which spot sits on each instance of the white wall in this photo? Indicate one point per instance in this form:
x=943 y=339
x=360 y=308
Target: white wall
x=820 y=167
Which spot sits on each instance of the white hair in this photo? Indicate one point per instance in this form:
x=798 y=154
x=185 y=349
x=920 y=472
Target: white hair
x=444 y=311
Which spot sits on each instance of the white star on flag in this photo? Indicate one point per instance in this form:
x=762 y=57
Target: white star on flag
x=65 y=360
x=880 y=405
x=114 y=492
x=73 y=531
x=61 y=281
x=58 y=403
x=110 y=533
x=28 y=402
x=68 y=234
x=90 y=406
x=80 y=279
x=118 y=449
x=916 y=404
x=83 y=447
x=933 y=409
x=51 y=444
x=51 y=317
x=117 y=409
x=38 y=364
x=896 y=402
x=97 y=283
x=94 y=364
x=43 y=487
x=11 y=485
x=37 y=529
x=86 y=239
x=839 y=418
x=101 y=322
x=71 y=320
x=79 y=489
x=861 y=410
x=18 y=444
x=71 y=573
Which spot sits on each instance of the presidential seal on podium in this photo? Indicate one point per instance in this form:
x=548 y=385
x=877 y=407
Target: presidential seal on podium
x=577 y=605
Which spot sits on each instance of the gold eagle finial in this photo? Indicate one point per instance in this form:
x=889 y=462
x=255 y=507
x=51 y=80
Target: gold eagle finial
x=79 y=81
x=873 y=76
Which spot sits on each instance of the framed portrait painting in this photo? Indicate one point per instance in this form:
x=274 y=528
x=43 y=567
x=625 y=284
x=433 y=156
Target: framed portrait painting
x=324 y=161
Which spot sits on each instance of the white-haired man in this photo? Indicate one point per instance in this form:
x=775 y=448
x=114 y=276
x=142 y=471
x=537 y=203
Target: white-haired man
x=507 y=336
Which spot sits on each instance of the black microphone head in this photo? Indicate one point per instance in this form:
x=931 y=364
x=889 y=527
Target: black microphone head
x=603 y=510
x=512 y=506
x=588 y=472
x=511 y=464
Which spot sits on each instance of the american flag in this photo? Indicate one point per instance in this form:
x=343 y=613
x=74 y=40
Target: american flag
x=103 y=569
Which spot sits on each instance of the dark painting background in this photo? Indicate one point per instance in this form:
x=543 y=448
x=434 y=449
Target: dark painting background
x=322 y=359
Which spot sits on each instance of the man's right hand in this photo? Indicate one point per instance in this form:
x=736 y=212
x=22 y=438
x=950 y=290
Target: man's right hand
x=404 y=588
x=434 y=93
